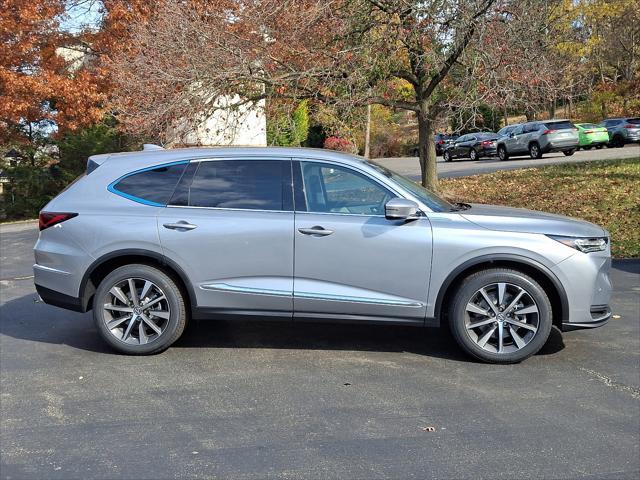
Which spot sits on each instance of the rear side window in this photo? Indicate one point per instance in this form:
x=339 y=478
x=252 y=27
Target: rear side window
x=245 y=184
x=634 y=121
x=565 y=125
x=152 y=186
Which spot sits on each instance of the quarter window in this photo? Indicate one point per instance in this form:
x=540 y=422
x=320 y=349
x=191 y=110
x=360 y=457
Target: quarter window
x=152 y=186
x=244 y=184
x=333 y=189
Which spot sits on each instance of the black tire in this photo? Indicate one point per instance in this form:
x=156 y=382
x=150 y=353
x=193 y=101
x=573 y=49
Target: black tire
x=473 y=155
x=568 y=153
x=587 y=147
x=446 y=156
x=502 y=153
x=175 y=324
x=599 y=147
x=617 y=142
x=466 y=291
x=534 y=151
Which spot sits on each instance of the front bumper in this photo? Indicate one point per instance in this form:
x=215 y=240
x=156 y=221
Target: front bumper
x=600 y=315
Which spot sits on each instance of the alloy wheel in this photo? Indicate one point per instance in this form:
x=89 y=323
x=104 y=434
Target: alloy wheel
x=137 y=311
x=501 y=318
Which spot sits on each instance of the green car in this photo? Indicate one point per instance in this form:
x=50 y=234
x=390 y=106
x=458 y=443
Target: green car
x=591 y=135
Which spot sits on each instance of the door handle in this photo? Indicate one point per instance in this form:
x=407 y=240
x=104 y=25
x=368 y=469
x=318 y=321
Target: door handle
x=181 y=225
x=316 y=230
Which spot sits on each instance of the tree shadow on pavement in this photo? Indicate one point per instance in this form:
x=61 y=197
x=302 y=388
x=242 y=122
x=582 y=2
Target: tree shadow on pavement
x=23 y=318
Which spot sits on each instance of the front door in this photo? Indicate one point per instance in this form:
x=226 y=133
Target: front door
x=350 y=261
x=230 y=226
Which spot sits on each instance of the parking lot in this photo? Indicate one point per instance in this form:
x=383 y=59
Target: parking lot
x=410 y=167
x=263 y=400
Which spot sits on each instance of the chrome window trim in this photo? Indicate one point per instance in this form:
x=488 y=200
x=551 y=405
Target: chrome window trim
x=232 y=209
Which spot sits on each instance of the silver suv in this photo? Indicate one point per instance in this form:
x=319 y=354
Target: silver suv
x=538 y=138
x=151 y=239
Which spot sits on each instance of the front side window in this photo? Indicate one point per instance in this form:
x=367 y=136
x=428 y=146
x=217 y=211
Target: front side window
x=152 y=186
x=333 y=189
x=242 y=184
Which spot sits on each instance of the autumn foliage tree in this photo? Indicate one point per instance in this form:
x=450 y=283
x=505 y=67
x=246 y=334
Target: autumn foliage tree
x=39 y=92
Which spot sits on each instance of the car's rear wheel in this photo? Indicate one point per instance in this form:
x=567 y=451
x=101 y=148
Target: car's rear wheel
x=500 y=316
x=599 y=147
x=502 y=153
x=446 y=156
x=617 y=142
x=587 y=147
x=534 y=151
x=139 y=310
x=568 y=153
x=473 y=155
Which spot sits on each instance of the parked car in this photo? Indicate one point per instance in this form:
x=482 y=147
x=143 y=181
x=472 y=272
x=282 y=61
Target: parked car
x=537 y=138
x=152 y=239
x=622 y=131
x=591 y=135
x=440 y=140
x=473 y=146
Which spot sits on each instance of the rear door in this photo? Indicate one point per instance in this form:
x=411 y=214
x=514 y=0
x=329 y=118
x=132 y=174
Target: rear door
x=229 y=225
x=350 y=261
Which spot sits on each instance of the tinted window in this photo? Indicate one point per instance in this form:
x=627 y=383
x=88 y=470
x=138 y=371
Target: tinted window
x=518 y=130
x=634 y=121
x=333 y=189
x=531 y=127
x=154 y=186
x=246 y=184
x=588 y=125
x=563 y=125
x=487 y=136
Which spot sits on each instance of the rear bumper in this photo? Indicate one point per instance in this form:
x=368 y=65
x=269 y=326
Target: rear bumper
x=560 y=146
x=57 y=299
x=600 y=315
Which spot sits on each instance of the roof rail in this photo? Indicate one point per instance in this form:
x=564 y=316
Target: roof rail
x=149 y=147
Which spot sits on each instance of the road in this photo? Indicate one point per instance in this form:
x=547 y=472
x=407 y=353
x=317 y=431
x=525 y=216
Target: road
x=410 y=167
x=273 y=400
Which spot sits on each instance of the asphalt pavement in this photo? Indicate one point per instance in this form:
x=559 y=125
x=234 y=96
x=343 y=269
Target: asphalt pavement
x=410 y=167
x=275 y=400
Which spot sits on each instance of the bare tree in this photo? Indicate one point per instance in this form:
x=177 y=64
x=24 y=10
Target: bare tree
x=397 y=53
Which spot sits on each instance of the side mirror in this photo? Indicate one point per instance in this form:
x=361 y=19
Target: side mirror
x=512 y=135
x=401 y=209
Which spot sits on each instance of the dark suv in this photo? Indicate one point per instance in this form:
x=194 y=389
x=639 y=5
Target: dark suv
x=622 y=131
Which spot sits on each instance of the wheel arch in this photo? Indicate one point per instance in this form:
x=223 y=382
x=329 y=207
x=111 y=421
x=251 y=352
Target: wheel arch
x=102 y=266
x=545 y=277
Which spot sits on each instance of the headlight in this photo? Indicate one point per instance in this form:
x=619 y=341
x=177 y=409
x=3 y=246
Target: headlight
x=586 y=245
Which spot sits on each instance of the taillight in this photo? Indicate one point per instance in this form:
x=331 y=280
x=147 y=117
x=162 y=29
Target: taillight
x=631 y=125
x=588 y=131
x=440 y=142
x=486 y=142
x=547 y=132
x=49 y=219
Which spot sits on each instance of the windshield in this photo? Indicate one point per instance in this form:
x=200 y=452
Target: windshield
x=430 y=199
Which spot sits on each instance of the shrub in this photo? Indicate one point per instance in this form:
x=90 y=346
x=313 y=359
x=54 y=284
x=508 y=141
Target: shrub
x=340 y=144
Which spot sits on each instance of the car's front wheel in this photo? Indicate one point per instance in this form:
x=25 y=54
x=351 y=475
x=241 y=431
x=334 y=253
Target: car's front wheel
x=446 y=156
x=500 y=316
x=139 y=310
x=568 y=153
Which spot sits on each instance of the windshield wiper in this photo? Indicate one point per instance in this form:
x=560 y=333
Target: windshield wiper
x=458 y=206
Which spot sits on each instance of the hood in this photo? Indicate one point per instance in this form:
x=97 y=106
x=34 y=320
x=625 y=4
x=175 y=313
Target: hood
x=521 y=220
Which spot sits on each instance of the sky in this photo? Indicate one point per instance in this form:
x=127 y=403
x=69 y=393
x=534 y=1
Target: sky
x=82 y=14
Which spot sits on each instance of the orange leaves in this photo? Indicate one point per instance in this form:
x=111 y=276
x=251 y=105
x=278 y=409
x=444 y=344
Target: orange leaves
x=36 y=82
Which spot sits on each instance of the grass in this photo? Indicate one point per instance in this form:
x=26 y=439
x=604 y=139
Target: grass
x=605 y=192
